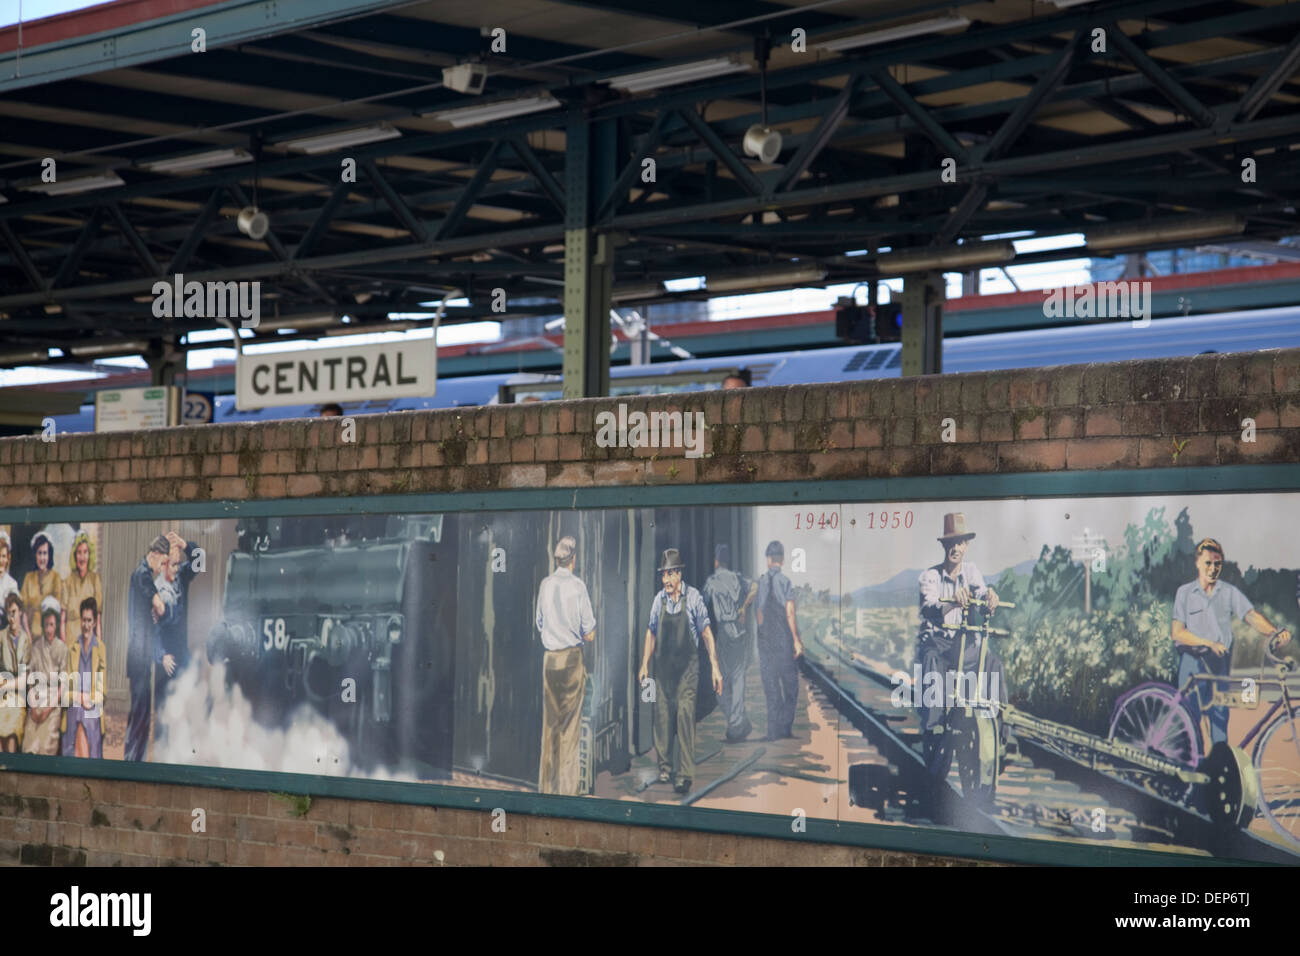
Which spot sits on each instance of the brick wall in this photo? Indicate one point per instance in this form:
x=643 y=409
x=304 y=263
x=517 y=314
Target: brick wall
x=74 y=821
x=1122 y=415
x=1149 y=414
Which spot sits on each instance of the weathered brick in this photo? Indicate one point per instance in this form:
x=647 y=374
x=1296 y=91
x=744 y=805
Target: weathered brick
x=1031 y=456
x=1088 y=453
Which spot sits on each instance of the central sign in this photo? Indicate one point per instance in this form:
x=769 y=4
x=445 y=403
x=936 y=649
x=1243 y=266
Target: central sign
x=354 y=374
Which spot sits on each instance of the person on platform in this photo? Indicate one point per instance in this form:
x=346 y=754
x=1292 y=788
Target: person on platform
x=779 y=646
x=729 y=595
x=678 y=622
x=49 y=657
x=945 y=590
x=83 y=729
x=82 y=582
x=145 y=608
x=331 y=410
x=566 y=622
x=43 y=582
x=7 y=582
x=15 y=655
x=1202 y=632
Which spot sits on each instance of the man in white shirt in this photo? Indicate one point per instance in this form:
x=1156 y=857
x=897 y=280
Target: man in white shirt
x=566 y=621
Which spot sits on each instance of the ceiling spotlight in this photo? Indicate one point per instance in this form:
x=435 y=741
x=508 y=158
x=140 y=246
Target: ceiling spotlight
x=763 y=143
x=253 y=222
x=465 y=78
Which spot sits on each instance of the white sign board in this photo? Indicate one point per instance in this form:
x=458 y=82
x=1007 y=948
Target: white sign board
x=126 y=409
x=357 y=373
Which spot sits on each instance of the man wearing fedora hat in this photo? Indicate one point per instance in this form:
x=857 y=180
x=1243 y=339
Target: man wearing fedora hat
x=1202 y=631
x=778 y=644
x=678 y=622
x=947 y=588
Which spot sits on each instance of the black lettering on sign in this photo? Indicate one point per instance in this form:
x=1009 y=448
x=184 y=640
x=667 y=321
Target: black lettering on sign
x=356 y=371
x=307 y=379
x=331 y=363
x=401 y=379
x=381 y=371
x=282 y=377
x=259 y=389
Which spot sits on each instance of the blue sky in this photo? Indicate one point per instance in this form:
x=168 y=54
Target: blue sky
x=35 y=9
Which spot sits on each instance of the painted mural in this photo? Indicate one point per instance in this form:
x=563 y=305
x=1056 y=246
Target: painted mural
x=1116 y=670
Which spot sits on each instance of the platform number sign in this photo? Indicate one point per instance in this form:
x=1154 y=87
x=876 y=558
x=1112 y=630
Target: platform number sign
x=196 y=408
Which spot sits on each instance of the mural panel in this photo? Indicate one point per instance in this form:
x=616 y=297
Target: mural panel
x=1108 y=670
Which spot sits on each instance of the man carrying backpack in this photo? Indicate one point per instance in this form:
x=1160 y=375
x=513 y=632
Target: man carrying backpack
x=729 y=595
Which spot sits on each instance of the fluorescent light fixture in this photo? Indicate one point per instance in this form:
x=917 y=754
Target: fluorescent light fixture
x=82 y=184
x=285 y=323
x=1067 y=3
x=1163 y=231
x=347 y=137
x=746 y=281
x=673 y=75
x=501 y=109
x=919 y=28
x=209 y=160
x=948 y=259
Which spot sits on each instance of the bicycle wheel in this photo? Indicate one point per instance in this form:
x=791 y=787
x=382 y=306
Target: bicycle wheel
x=1277 y=761
x=975 y=746
x=1153 y=719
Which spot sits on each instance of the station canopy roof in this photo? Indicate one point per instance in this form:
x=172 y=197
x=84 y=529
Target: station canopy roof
x=916 y=128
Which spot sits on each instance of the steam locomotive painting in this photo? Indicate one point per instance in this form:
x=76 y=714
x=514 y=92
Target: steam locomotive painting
x=415 y=636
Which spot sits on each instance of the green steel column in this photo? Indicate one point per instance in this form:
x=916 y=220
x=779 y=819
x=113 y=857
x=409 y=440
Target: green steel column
x=922 y=306
x=588 y=260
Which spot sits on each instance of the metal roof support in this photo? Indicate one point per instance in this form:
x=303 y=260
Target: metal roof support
x=548 y=183
x=815 y=143
x=1258 y=95
x=78 y=250
x=714 y=142
x=646 y=147
x=919 y=115
x=321 y=223
x=133 y=240
x=1166 y=84
x=922 y=308
x=24 y=260
x=278 y=250
x=418 y=230
x=205 y=217
x=471 y=192
x=590 y=163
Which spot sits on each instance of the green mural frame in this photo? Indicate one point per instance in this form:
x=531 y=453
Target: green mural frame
x=913 y=839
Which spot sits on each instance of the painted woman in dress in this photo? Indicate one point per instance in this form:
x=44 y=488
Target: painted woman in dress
x=15 y=654
x=7 y=582
x=82 y=582
x=41 y=583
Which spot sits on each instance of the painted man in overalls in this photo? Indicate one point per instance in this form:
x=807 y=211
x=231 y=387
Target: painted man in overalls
x=678 y=621
x=729 y=595
x=778 y=645
x=946 y=589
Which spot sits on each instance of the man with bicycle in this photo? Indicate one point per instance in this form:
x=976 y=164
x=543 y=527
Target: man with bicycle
x=1202 y=631
x=945 y=591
